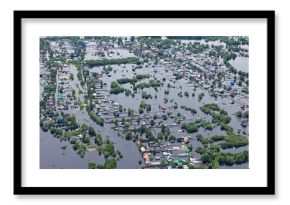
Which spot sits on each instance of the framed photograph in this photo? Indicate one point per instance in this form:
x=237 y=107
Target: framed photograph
x=144 y=102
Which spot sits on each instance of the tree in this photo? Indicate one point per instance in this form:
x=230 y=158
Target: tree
x=141 y=110
x=98 y=139
x=96 y=118
x=130 y=112
x=110 y=164
x=148 y=107
x=92 y=165
x=172 y=138
x=200 y=96
x=160 y=136
x=163 y=128
x=81 y=150
x=175 y=106
x=190 y=127
x=151 y=138
x=116 y=122
x=127 y=136
x=86 y=139
x=239 y=114
x=71 y=76
x=92 y=131
x=108 y=150
x=205 y=158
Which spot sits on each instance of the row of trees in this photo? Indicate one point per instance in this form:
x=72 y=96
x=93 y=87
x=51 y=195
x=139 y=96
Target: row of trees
x=109 y=164
x=192 y=110
x=219 y=115
x=225 y=142
x=96 y=118
x=103 y=62
x=151 y=84
x=134 y=79
x=213 y=158
x=192 y=127
x=116 y=88
x=241 y=114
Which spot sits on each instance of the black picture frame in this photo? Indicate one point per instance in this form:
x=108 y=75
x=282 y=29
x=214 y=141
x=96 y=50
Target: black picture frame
x=268 y=190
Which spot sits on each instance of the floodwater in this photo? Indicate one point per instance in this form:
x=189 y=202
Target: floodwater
x=53 y=156
x=240 y=63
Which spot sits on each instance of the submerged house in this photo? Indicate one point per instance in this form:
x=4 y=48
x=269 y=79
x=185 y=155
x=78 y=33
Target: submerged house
x=162 y=106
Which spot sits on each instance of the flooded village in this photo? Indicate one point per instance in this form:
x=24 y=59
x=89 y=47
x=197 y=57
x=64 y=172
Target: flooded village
x=144 y=102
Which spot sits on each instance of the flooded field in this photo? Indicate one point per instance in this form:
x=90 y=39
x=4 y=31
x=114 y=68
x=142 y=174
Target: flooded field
x=116 y=105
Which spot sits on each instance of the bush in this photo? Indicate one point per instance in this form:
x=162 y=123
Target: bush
x=110 y=164
x=148 y=107
x=92 y=131
x=127 y=136
x=236 y=141
x=141 y=111
x=81 y=150
x=98 y=139
x=117 y=90
x=207 y=126
x=217 y=138
x=200 y=96
x=108 y=150
x=200 y=150
x=146 y=95
x=71 y=76
x=86 y=140
x=92 y=165
x=208 y=108
x=172 y=138
x=227 y=128
x=190 y=127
